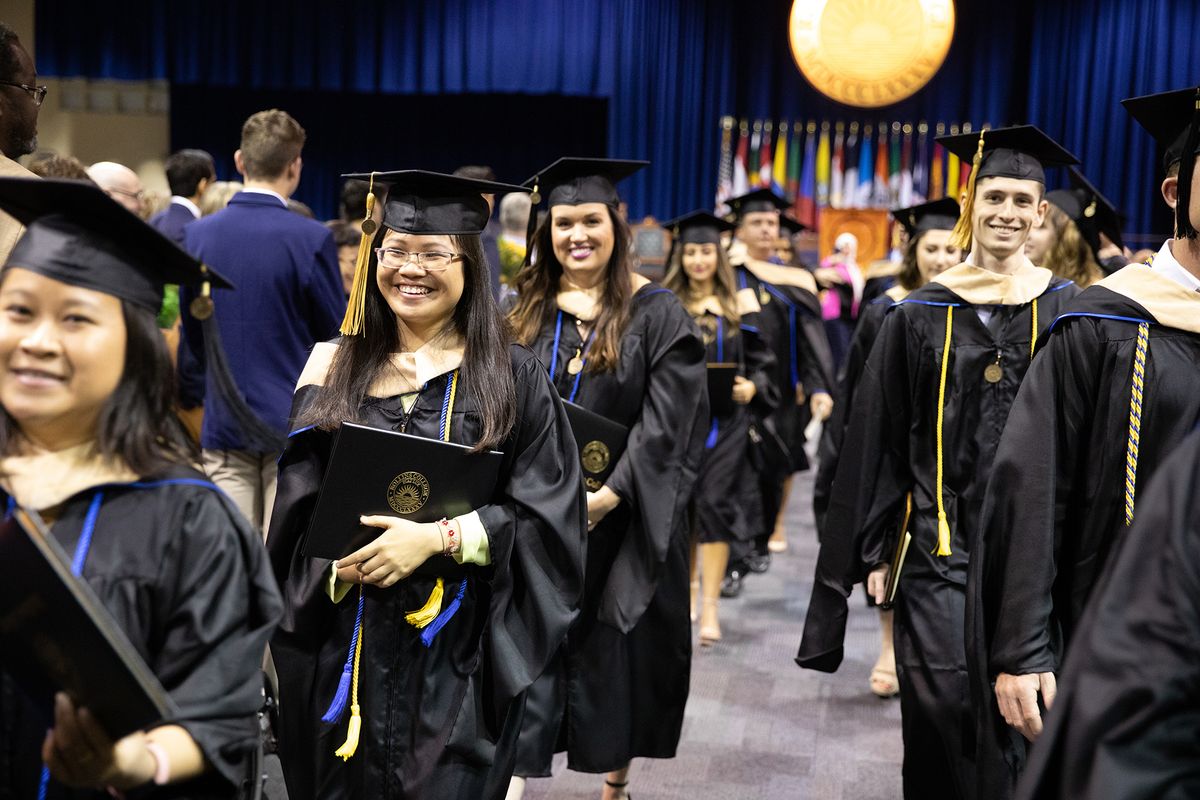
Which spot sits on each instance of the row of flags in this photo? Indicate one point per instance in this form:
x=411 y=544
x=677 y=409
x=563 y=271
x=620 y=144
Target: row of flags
x=838 y=165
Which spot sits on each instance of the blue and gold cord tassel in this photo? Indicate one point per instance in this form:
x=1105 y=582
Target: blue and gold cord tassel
x=1141 y=350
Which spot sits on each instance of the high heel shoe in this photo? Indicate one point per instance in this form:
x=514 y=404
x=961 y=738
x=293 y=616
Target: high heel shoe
x=710 y=627
x=624 y=792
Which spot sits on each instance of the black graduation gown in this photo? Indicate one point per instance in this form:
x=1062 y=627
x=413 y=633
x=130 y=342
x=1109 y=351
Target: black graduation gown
x=1126 y=722
x=1055 y=504
x=437 y=721
x=790 y=322
x=726 y=506
x=870 y=320
x=889 y=451
x=187 y=580
x=618 y=691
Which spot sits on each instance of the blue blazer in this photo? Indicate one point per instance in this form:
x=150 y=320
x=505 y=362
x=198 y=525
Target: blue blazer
x=170 y=221
x=288 y=297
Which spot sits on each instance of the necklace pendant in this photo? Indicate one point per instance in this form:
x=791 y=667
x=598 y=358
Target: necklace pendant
x=993 y=373
x=575 y=365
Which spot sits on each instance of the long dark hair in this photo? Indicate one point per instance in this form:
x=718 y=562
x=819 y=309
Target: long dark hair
x=537 y=287
x=486 y=368
x=724 y=284
x=137 y=423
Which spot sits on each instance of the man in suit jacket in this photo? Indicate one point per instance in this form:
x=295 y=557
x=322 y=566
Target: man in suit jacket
x=20 y=99
x=189 y=173
x=289 y=296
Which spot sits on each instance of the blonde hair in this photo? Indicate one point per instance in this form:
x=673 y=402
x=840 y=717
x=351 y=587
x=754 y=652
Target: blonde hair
x=1070 y=256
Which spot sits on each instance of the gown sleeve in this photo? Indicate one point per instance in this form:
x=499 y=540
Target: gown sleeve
x=760 y=366
x=1031 y=486
x=656 y=472
x=868 y=493
x=537 y=539
x=222 y=605
x=1126 y=722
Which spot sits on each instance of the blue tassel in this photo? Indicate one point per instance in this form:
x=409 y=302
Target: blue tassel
x=339 y=700
x=431 y=630
x=711 y=441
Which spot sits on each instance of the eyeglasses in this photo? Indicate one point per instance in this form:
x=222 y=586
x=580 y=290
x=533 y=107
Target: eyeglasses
x=432 y=261
x=138 y=195
x=38 y=93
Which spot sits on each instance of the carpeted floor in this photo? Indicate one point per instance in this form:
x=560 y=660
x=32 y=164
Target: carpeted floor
x=760 y=728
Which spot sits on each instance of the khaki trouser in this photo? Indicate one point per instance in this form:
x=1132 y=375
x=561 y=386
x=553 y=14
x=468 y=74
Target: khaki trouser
x=249 y=480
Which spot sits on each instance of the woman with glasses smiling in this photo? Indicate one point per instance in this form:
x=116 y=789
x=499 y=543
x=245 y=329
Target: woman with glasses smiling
x=395 y=689
x=624 y=348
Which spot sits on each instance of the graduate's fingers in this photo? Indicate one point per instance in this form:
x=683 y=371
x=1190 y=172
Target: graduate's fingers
x=377 y=521
x=67 y=737
x=349 y=574
x=95 y=737
x=1049 y=689
x=1031 y=715
x=391 y=579
x=359 y=555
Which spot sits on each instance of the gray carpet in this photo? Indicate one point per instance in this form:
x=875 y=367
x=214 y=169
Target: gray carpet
x=760 y=728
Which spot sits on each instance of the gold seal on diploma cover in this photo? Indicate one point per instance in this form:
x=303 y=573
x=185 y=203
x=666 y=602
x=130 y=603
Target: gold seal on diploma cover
x=407 y=492
x=870 y=53
x=594 y=457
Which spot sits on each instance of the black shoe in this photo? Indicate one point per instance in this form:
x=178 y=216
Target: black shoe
x=758 y=562
x=732 y=585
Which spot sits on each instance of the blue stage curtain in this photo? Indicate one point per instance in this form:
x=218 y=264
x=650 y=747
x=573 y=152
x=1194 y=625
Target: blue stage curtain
x=1089 y=54
x=668 y=69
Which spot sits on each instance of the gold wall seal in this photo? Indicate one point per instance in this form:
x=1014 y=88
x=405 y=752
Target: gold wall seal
x=870 y=53
x=407 y=492
x=595 y=456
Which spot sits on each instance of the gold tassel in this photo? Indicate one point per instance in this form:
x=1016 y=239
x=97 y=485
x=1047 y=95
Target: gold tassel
x=352 y=734
x=428 y=612
x=352 y=322
x=961 y=235
x=943 y=543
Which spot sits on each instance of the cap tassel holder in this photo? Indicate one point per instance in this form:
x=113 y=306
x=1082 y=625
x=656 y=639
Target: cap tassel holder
x=961 y=235
x=943 y=540
x=1187 y=167
x=352 y=322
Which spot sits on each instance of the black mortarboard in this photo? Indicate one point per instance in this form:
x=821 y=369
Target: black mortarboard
x=1173 y=119
x=432 y=203
x=77 y=234
x=697 y=227
x=791 y=224
x=1097 y=207
x=1021 y=151
x=573 y=181
x=935 y=215
x=418 y=202
x=757 y=200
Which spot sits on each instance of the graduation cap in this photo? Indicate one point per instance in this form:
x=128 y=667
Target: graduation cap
x=935 y=215
x=77 y=234
x=1173 y=119
x=757 y=200
x=572 y=181
x=791 y=224
x=1020 y=151
x=697 y=227
x=1089 y=210
x=418 y=202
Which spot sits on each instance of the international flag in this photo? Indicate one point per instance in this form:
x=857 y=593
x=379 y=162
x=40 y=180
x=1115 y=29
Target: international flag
x=835 y=167
x=779 y=169
x=866 y=160
x=952 y=169
x=752 y=161
x=764 y=157
x=823 y=167
x=906 y=168
x=793 y=165
x=806 y=206
x=741 y=178
x=894 y=166
x=725 y=168
x=937 y=166
x=881 y=196
x=920 y=173
x=850 y=160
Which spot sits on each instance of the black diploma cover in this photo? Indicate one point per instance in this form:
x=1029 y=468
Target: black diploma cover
x=601 y=443
x=720 y=388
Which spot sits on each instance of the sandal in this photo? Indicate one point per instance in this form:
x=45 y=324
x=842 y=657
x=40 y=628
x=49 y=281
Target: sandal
x=884 y=682
x=710 y=633
x=625 y=794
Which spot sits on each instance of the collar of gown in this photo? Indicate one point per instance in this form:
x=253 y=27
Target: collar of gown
x=1172 y=305
x=41 y=479
x=408 y=372
x=982 y=287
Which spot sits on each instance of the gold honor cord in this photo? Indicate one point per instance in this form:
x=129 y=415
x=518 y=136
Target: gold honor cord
x=943 y=542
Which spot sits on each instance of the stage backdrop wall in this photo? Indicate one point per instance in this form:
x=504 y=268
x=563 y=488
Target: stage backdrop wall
x=669 y=70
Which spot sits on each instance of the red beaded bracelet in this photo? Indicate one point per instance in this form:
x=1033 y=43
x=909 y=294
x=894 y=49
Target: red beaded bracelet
x=450 y=537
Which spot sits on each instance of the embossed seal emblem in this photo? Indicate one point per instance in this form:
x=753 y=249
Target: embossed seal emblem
x=870 y=53
x=407 y=492
x=595 y=456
